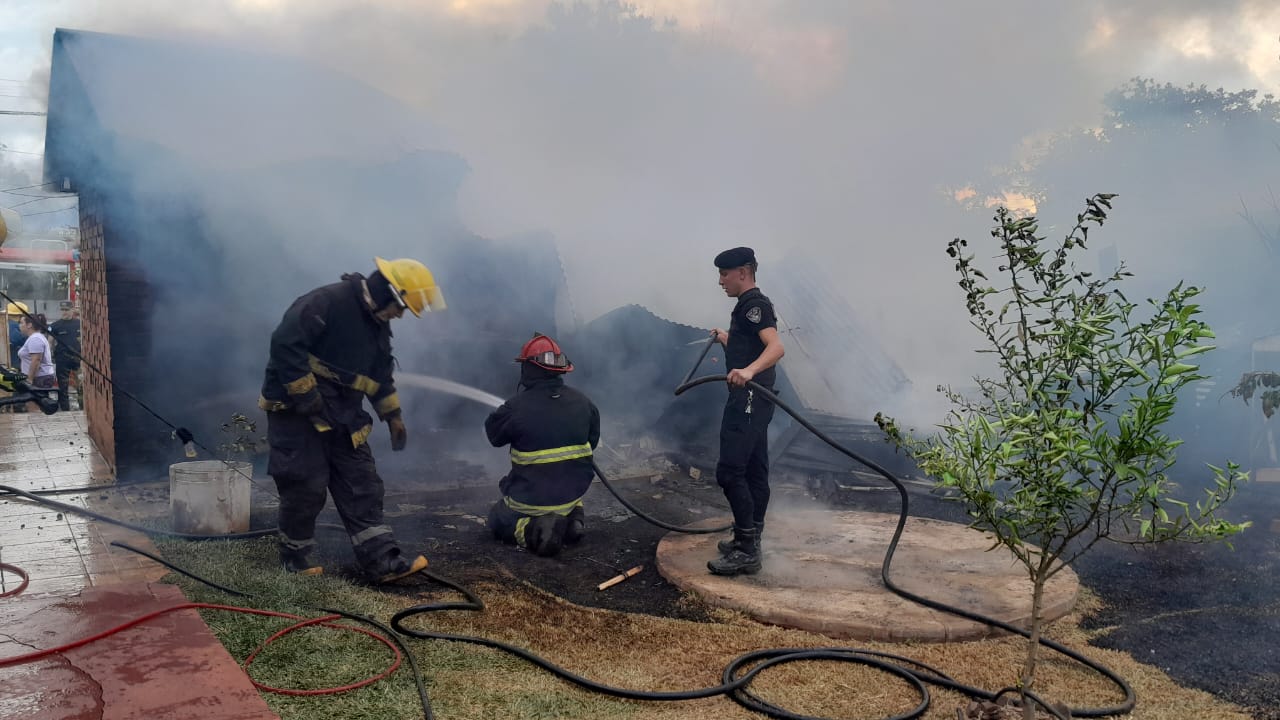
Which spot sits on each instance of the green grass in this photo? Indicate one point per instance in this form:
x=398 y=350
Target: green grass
x=463 y=681
x=633 y=651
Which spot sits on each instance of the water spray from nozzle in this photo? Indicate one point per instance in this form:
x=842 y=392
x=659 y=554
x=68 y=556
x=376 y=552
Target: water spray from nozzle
x=448 y=386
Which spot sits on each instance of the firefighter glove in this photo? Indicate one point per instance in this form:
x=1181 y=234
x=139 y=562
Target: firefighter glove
x=399 y=436
x=309 y=403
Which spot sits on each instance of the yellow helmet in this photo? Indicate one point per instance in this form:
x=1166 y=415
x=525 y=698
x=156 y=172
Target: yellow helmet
x=415 y=288
x=17 y=308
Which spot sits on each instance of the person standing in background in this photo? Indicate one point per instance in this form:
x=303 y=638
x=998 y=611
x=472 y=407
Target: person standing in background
x=66 y=350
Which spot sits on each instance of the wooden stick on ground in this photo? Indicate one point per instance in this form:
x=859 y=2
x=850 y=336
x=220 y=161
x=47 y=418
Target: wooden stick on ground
x=619 y=578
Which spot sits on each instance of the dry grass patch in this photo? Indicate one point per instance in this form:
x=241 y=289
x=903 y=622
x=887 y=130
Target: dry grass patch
x=632 y=651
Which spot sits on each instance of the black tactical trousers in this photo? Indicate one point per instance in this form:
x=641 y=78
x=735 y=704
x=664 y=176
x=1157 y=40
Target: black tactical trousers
x=305 y=464
x=743 y=469
x=63 y=367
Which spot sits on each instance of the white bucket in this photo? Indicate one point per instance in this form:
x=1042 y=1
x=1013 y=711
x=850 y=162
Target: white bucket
x=209 y=497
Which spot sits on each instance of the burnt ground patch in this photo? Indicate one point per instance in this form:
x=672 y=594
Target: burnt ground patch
x=448 y=527
x=1207 y=615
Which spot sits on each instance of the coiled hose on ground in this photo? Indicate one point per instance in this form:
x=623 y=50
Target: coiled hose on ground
x=739 y=673
x=735 y=680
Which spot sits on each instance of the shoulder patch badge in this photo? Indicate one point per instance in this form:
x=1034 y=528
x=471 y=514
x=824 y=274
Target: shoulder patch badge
x=754 y=314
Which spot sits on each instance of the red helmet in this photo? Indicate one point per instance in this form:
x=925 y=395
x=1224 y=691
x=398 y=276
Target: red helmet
x=546 y=354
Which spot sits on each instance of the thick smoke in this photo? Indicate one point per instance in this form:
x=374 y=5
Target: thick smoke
x=645 y=139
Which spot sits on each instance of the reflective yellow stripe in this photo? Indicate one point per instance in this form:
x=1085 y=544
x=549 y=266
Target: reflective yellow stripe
x=304 y=384
x=363 y=383
x=320 y=425
x=358 y=437
x=536 y=510
x=271 y=405
x=387 y=405
x=319 y=368
x=539 y=457
x=521 y=524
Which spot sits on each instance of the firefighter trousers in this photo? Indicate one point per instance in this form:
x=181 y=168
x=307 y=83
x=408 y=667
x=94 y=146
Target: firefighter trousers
x=544 y=530
x=306 y=464
x=743 y=469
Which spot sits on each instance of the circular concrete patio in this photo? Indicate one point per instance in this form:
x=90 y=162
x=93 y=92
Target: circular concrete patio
x=822 y=573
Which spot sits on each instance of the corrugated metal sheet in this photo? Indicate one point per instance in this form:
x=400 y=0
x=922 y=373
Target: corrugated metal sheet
x=833 y=362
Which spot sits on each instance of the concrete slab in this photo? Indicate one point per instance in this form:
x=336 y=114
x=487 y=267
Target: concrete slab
x=170 y=667
x=822 y=573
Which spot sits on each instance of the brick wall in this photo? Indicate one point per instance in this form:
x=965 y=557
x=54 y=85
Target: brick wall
x=95 y=331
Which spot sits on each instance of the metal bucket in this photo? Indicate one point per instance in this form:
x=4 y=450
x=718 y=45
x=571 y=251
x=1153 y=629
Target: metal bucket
x=209 y=497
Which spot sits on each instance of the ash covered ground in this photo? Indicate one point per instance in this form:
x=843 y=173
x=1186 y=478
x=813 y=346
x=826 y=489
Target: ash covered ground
x=1207 y=615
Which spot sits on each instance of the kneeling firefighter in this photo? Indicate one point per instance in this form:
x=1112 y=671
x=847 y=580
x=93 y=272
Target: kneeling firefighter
x=331 y=350
x=552 y=430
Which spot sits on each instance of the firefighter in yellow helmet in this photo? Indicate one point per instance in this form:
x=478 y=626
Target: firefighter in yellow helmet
x=332 y=350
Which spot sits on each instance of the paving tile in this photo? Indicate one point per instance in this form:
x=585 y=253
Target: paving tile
x=54 y=532
x=42 y=515
x=65 y=554
x=134 y=576
x=171 y=667
x=54 y=567
x=17 y=507
x=18 y=468
x=70 y=465
x=22 y=554
x=59 y=586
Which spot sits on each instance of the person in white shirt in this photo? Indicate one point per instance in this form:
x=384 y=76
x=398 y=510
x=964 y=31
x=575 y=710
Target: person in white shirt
x=35 y=357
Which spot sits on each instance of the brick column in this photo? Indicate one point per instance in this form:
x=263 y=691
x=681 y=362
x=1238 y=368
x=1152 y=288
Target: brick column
x=95 y=332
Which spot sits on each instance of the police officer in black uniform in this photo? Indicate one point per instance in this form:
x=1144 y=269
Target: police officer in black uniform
x=552 y=430
x=66 y=351
x=752 y=348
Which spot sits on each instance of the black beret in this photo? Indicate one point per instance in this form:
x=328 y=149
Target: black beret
x=735 y=258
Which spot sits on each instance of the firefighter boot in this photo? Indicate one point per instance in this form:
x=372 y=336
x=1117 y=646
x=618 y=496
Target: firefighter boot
x=298 y=562
x=743 y=560
x=545 y=534
x=577 y=527
x=392 y=566
x=726 y=546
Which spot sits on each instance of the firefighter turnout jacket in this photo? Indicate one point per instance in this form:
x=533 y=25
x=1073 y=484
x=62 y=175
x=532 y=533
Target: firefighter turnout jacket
x=552 y=430
x=330 y=343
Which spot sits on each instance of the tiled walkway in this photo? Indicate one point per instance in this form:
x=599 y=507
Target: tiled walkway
x=63 y=553
x=171 y=667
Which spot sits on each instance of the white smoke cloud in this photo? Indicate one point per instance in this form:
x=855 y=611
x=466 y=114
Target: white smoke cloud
x=647 y=141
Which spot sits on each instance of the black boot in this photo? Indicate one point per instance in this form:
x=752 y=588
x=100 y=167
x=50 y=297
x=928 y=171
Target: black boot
x=726 y=546
x=392 y=566
x=577 y=527
x=744 y=559
x=298 y=562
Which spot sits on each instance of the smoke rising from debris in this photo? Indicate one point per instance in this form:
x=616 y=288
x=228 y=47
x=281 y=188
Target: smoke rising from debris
x=644 y=145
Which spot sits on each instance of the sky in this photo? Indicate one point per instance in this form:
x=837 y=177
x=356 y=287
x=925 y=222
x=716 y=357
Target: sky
x=647 y=144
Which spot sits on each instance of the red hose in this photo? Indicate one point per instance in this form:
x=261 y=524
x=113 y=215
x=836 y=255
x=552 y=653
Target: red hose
x=19 y=572
x=326 y=621
x=323 y=622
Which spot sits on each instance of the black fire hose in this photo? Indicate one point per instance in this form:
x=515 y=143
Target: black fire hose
x=386 y=631
x=642 y=514
x=77 y=510
x=649 y=518
x=1129 y=698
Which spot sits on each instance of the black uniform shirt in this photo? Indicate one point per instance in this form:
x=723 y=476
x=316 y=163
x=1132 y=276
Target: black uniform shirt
x=753 y=313
x=67 y=333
